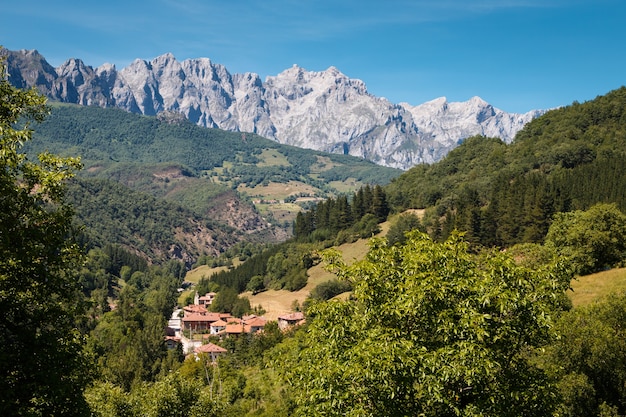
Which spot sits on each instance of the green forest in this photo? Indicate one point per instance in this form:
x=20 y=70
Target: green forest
x=460 y=310
x=148 y=182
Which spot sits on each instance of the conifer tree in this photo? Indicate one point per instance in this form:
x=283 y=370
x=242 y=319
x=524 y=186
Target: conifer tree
x=379 y=207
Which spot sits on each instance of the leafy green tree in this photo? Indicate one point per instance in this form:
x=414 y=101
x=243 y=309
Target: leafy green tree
x=403 y=224
x=593 y=240
x=172 y=396
x=228 y=301
x=366 y=227
x=256 y=284
x=108 y=400
x=432 y=330
x=328 y=289
x=42 y=363
x=590 y=357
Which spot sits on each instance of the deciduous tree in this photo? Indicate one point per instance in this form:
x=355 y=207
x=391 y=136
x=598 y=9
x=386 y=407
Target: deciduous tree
x=431 y=330
x=592 y=239
x=41 y=359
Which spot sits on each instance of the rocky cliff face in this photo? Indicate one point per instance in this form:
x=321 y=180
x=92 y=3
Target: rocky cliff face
x=323 y=110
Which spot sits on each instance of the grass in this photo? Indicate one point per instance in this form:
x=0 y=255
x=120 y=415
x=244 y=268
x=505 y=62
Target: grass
x=195 y=275
x=324 y=163
x=278 y=190
x=590 y=288
x=271 y=157
x=273 y=195
x=350 y=185
x=277 y=302
x=283 y=213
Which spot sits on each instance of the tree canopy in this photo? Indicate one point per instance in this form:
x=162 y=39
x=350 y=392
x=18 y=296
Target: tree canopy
x=41 y=359
x=431 y=330
x=568 y=159
x=593 y=240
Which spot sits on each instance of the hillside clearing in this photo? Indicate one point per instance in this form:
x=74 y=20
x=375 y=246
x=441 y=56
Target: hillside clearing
x=280 y=302
x=590 y=288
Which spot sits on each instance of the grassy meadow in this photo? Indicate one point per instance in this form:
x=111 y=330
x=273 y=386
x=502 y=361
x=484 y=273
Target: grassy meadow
x=589 y=288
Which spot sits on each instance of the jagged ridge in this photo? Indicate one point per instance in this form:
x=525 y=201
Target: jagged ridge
x=324 y=110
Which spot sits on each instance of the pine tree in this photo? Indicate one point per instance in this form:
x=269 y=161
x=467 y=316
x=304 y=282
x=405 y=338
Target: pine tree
x=379 y=207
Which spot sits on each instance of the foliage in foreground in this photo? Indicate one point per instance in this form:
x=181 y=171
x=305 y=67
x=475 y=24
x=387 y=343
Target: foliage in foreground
x=41 y=358
x=431 y=330
x=590 y=359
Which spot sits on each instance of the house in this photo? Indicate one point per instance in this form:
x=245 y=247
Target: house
x=288 y=320
x=233 y=326
x=206 y=299
x=198 y=322
x=218 y=326
x=198 y=319
x=254 y=324
x=172 y=342
x=211 y=350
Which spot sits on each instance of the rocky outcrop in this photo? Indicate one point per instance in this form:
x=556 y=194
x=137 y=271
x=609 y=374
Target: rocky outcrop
x=323 y=110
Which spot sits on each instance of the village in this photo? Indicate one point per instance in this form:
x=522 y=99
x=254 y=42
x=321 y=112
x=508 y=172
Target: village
x=193 y=325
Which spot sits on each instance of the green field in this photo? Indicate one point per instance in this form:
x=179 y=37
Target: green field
x=592 y=287
x=280 y=302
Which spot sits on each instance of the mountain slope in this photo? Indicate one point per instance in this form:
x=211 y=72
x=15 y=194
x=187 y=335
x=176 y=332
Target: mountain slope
x=568 y=159
x=104 y=137
x=158 y=230
x=323 y=110
x=167 y=188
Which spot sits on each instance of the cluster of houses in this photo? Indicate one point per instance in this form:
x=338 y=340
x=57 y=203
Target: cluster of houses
x=198 y=319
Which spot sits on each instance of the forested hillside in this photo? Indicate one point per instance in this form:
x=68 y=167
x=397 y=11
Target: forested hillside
x=168 y=189
x=568 y=159
x=158 y=229
x=104 y=136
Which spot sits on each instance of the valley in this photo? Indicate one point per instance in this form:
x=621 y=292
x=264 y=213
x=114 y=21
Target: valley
x=489 y=281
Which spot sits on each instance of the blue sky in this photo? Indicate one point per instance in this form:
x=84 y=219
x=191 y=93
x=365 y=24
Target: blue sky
x=516 y=54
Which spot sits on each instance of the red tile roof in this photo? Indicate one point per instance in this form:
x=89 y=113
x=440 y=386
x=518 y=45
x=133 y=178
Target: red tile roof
x=195 y=308
x=210 y=348
x=297 y=316
x=208 y=317
x=256 y=322
x=234 y=328
x=197 y=317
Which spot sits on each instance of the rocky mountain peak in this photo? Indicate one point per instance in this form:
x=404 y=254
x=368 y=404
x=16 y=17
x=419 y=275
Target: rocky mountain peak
x=322 y=110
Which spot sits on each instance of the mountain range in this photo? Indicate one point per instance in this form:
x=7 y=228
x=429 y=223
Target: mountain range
x=325 y=110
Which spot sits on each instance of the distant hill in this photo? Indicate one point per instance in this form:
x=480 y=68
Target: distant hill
x=156 y=229
x=569 y=158
x=166 y=188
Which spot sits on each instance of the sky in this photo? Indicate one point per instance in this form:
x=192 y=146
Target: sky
x=518 y=55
